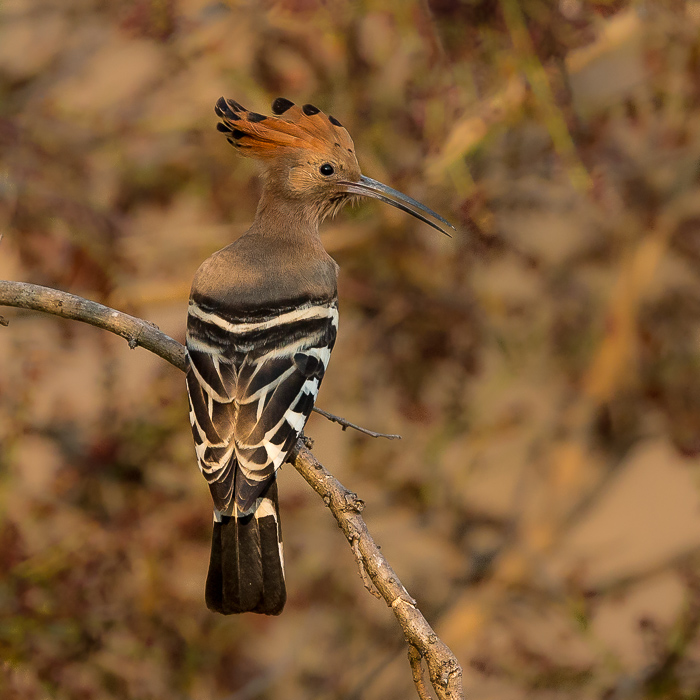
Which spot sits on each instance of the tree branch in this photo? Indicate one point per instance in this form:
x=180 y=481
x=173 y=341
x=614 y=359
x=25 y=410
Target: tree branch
x=443 y=668
x=416 y=661
x=136 y=331
x=347 y=424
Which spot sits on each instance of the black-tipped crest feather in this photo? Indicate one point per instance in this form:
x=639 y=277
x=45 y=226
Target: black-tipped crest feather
x=292 y=128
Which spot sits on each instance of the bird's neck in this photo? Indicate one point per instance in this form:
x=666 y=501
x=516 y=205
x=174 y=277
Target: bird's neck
x=285 y=217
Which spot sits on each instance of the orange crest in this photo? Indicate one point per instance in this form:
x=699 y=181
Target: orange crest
x=301 y=128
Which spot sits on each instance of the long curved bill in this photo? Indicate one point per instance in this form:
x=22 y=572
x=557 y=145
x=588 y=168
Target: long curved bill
x=367 y=187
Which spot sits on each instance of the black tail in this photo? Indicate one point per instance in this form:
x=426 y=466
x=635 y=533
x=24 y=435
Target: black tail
x=246 y=569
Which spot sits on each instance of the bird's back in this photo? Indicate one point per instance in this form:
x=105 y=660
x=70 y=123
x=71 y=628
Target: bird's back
x=260 y=273
x=259 y=336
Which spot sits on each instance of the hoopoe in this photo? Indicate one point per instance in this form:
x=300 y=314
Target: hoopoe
x=261 y=324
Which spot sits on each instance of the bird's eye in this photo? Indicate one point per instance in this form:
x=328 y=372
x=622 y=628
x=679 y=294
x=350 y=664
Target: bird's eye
x=326 y=169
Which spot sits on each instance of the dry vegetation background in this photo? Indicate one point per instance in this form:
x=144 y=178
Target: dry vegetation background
x=543 y=366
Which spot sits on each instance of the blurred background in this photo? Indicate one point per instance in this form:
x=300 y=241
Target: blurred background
x=543 y=366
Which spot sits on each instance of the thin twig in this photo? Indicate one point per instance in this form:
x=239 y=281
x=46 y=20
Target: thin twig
x=347 y=424
x=416 y=661
x=136 y=331
x=443 y=668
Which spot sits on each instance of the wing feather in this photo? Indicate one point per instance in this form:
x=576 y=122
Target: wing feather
x=252 y=386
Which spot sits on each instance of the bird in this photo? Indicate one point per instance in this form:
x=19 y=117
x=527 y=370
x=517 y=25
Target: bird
x=261 y=324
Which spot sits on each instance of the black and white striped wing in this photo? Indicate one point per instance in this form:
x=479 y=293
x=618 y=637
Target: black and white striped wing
x=252 y=384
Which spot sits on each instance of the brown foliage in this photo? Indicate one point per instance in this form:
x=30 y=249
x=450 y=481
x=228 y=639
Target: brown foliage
x=542 y=366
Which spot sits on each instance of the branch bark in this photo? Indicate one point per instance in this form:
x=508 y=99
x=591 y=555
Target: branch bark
x=135 y=331
x=444 y=670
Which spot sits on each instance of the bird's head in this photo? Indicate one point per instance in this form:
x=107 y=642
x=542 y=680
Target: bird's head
x=310 y=157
